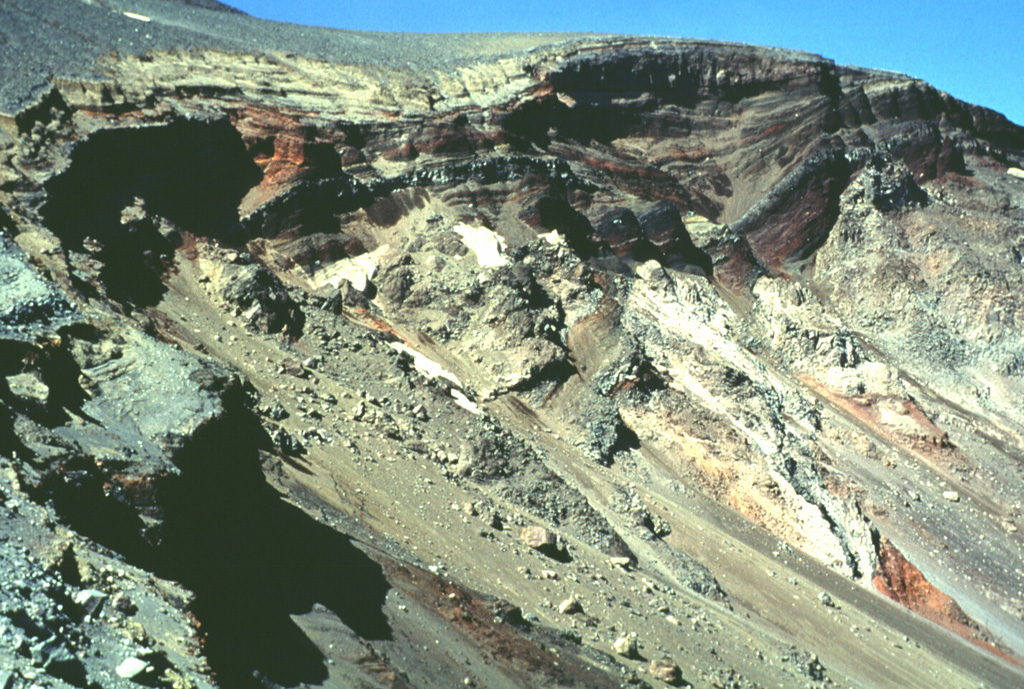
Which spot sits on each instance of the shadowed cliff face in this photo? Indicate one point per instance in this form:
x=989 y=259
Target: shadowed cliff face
x=192 y=175
x=253 y=560
x=607 y=351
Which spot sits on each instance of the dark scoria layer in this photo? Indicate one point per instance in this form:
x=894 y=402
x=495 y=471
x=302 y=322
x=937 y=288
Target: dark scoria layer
x=360 y=360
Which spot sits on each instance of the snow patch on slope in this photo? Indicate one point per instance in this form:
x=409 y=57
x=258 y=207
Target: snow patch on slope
x=486 y=244
x=430 y=369
x=358 y=270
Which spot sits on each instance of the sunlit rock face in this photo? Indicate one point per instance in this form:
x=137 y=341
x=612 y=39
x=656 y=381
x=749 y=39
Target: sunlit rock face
x=345 y=359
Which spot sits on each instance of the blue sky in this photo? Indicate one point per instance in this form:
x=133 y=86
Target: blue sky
x=973 y=50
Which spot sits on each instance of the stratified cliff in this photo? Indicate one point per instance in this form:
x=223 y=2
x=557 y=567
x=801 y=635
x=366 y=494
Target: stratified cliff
x=353 y=359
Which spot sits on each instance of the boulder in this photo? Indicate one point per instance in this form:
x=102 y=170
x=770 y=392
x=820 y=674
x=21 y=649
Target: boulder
x=621 y=562
x=123 y=604
x=335 y=299
x=133 y=669
x=90 y=601
x=538 y=538
x=570 y=606
x=626 y=647
x=666 y=671
x=261 y=297
x=544 y=541
x=31 y=392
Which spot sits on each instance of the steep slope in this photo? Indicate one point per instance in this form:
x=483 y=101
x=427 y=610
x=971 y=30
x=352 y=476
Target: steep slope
x=333 y=358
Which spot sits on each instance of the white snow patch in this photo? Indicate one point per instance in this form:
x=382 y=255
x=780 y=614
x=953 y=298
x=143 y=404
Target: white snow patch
x=486 y=244
x=138 y=17
x=465 y=402
x=427 y=367
x=358 y=270
x=552 y=237
x=430 y=369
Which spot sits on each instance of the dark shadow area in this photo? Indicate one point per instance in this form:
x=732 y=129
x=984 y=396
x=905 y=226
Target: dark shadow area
x=192 y=173
x=597 y=119
x=10 y=443
x=620 y=239
x=55 y=371
x=62 y=376
x=78 y=496
x=554 y=373
x=647 y=380
x=892 y=189
x=530 y=123
x=310 y=208
x=12 y=354
x=556 y=553
x=663 y=226
x=626 y=439
x=253 y=560
x=511 y=615
x=554 y=212
x=607 y=107
x=68 y=568
x=6 y=224
x=297 y=464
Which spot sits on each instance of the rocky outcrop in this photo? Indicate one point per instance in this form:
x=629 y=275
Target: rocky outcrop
x=904 y=583
x=33 y=306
